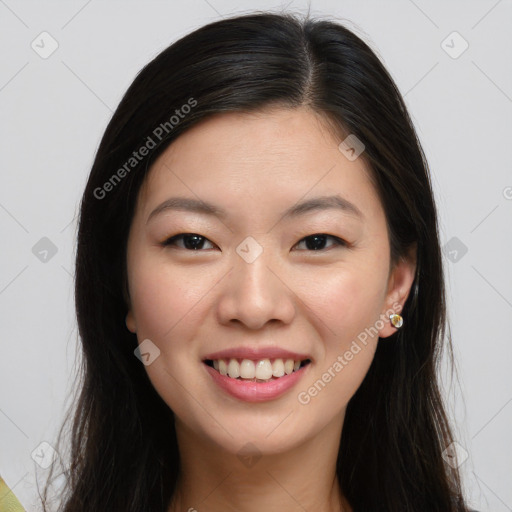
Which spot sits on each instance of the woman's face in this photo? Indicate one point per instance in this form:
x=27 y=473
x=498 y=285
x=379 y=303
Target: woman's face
x=245 y=284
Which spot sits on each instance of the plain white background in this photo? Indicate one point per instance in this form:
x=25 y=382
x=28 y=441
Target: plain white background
x=54 y=111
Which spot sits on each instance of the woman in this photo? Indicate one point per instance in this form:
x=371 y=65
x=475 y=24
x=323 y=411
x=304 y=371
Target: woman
x=259 y=286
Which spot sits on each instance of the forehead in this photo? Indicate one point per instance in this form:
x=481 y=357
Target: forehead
x=272 y=157
x=261 y=135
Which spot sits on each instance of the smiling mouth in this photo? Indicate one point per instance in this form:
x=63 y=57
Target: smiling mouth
x=262 y=370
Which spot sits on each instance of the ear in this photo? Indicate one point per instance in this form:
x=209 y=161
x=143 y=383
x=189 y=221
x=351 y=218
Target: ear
x=399 y=286
x=130 y=322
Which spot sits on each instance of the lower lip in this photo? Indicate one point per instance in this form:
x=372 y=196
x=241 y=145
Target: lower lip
x=256 y=391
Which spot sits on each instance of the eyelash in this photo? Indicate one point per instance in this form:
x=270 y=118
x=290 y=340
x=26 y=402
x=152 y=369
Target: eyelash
x=339 y=242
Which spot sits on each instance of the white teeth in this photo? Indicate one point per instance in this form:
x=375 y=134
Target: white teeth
x=223 y=367
x=264 y=369
x=233 y=369
x=247 y=369
x=278 y=368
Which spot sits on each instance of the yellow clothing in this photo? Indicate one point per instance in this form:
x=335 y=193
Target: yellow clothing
x=8 y=501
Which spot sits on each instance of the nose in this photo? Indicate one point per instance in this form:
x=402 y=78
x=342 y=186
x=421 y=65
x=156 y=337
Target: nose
x=255 y=294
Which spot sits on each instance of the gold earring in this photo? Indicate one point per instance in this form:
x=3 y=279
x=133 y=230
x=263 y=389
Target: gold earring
x=396 y=320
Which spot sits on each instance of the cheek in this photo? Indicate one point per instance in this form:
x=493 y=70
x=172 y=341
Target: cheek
x=348 y=312
x=347 y=300
x=329 y=390
x=166 y=303
x=154 y=305
x=163 y=298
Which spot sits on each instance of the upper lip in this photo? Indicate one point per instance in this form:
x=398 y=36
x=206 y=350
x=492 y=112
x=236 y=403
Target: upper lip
x=256 y=353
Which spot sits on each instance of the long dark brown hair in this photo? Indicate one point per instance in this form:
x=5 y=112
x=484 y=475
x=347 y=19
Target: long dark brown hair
x=123 y=454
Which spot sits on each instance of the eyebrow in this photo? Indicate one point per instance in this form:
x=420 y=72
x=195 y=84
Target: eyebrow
x=189 y=204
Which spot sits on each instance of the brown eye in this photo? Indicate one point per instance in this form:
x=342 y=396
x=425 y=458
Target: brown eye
x=190 y=241
x=317 y=242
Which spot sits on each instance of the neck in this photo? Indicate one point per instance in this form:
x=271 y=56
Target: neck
x=303 y=477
